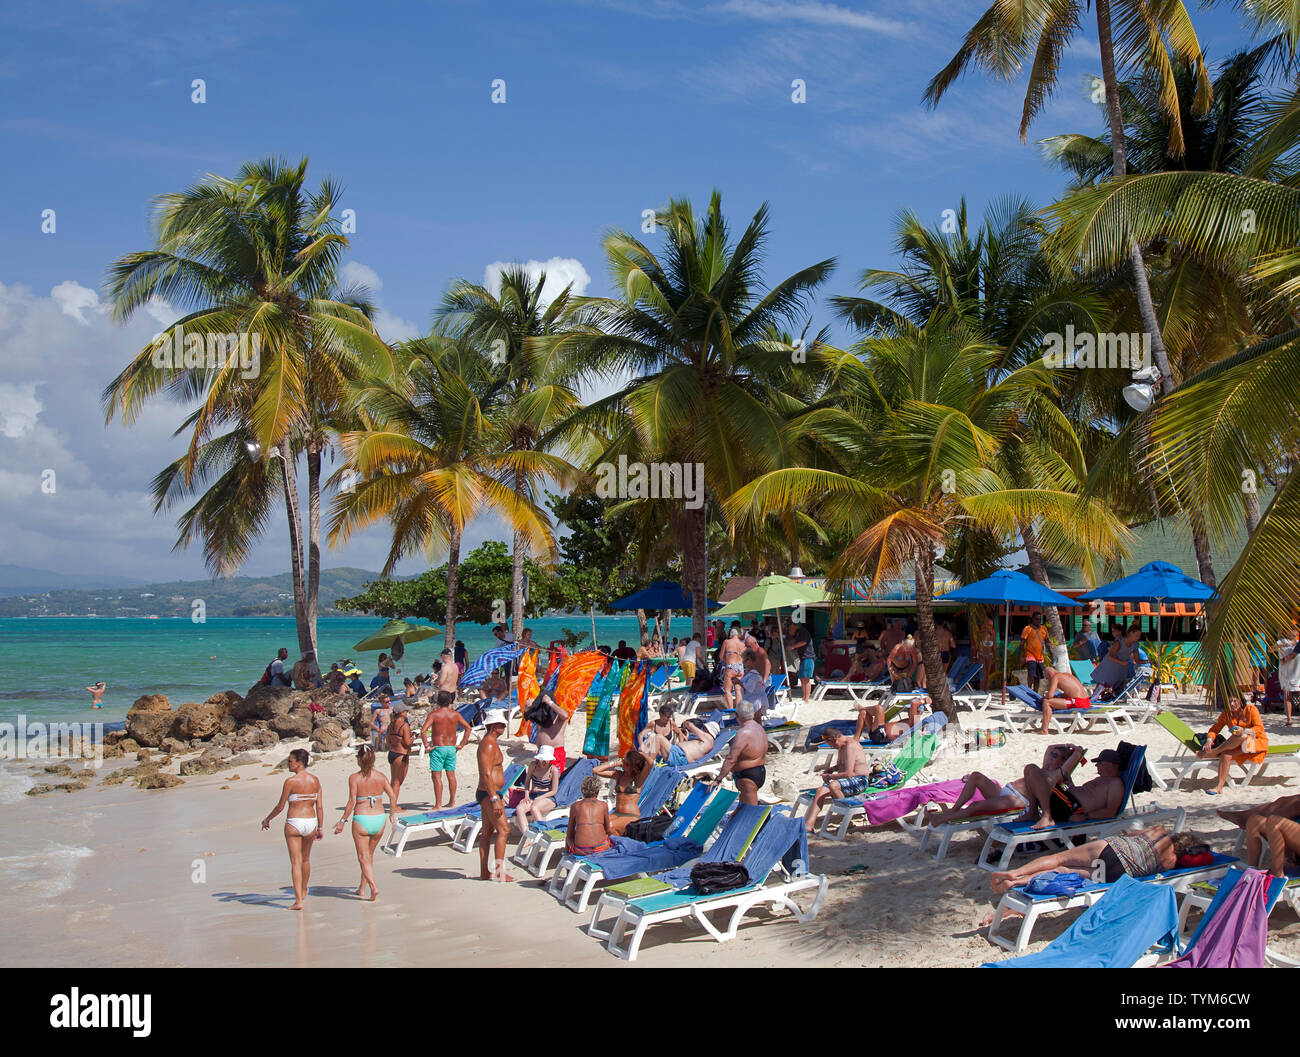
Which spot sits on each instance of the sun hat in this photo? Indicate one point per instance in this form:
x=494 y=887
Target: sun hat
x=494 y=716
x=546 y=753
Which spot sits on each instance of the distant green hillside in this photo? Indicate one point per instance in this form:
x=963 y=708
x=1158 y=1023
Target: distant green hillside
x=240 y=596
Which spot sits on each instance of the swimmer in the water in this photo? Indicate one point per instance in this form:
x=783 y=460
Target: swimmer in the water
x=97 y=694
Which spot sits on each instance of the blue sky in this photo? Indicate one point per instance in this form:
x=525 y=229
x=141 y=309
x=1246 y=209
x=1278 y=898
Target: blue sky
x=611 y=107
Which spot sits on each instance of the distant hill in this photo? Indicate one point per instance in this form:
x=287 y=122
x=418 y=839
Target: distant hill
x=236 y=597
x=17 y=580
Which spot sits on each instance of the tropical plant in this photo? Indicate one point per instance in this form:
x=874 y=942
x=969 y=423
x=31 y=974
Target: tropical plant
x=431 y=462
x=531 y=395
x=1152 y=34
x=254 y=256
x=699 y=335
x=921 y=435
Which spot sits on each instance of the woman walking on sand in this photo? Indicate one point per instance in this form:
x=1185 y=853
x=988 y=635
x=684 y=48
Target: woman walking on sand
x=371 y=788
x=303 y=825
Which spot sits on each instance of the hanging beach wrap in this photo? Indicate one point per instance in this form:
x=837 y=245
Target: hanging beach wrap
x=631 y=707
x=553 y=670
x=526 y=685
x=597 y=741
x=575 y=679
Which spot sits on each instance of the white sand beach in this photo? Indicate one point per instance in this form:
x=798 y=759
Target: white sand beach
x=186 y=877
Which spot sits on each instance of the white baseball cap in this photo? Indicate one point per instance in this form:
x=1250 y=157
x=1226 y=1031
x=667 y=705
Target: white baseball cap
x=546 y=753
x=494 y=715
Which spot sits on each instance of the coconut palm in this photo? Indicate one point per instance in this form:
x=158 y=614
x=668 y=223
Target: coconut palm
x=1151 y=34
x=255 y=255
x=997 y=280
x=532 y=394
x=699 y=335
x=921 y=437
x=431 y=462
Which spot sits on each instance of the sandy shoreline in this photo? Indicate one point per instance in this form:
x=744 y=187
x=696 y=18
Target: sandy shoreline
x=119 y=876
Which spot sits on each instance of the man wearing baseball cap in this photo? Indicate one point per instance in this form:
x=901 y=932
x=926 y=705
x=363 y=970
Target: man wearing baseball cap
x=491 y=779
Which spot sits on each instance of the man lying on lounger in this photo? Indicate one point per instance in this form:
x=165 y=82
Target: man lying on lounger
x=1138 y=854
x=1062 y=684
x=846 y=776
x=692 y=743
x=871 y=718
x=1058 y=762
x=1063 y=801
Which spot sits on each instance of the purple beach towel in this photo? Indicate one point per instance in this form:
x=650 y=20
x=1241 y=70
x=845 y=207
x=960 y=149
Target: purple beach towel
x=902 y=801
x=1235 y=936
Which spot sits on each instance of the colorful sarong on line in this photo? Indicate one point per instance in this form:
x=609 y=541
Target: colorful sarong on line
x=526 y=685
x=633 y=701
x=597 y=740
x=575 y=678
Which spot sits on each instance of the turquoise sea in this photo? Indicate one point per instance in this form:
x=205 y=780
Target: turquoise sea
x=45 y=663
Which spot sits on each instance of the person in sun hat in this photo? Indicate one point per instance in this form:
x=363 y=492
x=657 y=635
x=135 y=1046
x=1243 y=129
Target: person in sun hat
x=537 y=797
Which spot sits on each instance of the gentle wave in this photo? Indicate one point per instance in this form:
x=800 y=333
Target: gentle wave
x=53 y=869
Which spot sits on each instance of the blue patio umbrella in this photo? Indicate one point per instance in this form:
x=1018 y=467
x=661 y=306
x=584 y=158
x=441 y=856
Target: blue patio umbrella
x=661 y=595
x=1003 y=588
x=1155 y=582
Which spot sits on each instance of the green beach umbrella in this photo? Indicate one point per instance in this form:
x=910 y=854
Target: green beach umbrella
x=773 y=592
x=394 y=636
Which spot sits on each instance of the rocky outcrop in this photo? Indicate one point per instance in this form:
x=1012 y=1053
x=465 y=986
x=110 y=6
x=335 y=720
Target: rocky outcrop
x=158 y=780
x=330 y=736
x=212 y=759
x=150 y=719
x=295 y=724
x=196 y=722
x=172 y=746
x=252 y=738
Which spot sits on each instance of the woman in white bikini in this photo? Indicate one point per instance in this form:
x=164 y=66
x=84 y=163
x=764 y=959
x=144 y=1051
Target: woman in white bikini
x=304 y=823
x=370 y=788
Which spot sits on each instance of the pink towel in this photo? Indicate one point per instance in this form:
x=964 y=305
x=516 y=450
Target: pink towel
x=901 y=801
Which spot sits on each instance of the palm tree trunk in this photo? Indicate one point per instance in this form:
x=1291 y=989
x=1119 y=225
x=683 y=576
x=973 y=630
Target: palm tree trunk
x=1038 y=570
x=1119 y=166
x=1201 y=543
x=936 y=681
x=1252 y=513
x=642 y=624
x=453 y=584
x=313 y=540
x=290 y=479
x=517 y=573
x=695 y=564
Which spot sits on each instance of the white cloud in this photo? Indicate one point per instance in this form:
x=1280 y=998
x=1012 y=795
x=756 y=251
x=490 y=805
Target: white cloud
x=394 y=328
x=19 y=409
x=815 y=12
x=560 y=272
x=354 y=273
x=76 y=300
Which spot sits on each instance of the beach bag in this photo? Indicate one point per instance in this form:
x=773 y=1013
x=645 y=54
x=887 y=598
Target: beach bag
x=1126 y=751
x=711 y=878
x=648 y=829
x=885 y=775
x=1055 y=884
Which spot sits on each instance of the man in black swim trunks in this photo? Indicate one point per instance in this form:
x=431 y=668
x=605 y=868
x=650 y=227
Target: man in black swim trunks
x=496 y=828
x=400 y=739
x=747 y=761
x=1102 y=797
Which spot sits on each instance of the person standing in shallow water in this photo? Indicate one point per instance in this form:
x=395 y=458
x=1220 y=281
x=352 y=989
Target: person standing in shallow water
x=303 y=825
x=367 y=786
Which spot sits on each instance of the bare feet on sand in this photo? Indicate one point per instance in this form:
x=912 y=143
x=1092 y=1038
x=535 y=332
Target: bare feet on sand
x=1001 y=882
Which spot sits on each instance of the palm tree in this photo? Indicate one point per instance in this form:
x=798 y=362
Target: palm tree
x=699 y=335
x=430 y=462
x=999 y=281
x=1151 y=35
x=255 y=255
x=921 y=436
x=1207 y=311
x=532 y=394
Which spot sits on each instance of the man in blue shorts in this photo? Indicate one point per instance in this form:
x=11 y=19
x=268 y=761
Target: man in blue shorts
x=846 y=776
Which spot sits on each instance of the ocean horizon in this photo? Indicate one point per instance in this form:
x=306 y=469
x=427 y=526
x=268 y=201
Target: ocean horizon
x=46 y=662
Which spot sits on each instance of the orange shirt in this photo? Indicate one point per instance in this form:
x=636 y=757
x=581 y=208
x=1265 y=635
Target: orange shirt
x=1249 y=720
x=1034 y=640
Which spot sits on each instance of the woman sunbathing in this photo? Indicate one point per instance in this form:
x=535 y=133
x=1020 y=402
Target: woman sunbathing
x=629 y=775
x=1058 y=762
x=1138 y=854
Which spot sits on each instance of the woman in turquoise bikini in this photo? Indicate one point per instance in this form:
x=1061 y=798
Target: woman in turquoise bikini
x=371 y=788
